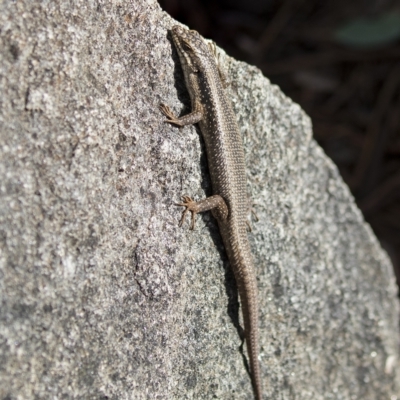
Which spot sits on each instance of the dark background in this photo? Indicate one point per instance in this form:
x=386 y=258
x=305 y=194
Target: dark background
x=340 y=60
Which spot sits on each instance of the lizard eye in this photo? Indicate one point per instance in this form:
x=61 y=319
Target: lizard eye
x=186 y=45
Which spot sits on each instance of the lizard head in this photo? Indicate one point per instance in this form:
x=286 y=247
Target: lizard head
x=193 y=51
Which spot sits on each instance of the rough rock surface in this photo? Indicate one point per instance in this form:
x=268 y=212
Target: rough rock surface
x=103 y=296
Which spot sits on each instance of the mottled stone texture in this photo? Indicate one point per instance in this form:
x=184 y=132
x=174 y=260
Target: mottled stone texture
x=103 y=296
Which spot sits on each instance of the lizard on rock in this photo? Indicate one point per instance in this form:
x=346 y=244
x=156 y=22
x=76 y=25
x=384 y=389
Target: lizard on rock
x=212 y=110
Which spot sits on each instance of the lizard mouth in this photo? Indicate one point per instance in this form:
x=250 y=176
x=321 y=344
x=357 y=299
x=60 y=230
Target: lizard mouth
x=176 y=29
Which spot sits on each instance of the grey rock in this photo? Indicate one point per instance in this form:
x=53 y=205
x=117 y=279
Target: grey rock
x=103 y=296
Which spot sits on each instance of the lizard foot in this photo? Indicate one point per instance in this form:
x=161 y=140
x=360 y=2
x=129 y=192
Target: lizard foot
x=171 y=118
x=191 y=206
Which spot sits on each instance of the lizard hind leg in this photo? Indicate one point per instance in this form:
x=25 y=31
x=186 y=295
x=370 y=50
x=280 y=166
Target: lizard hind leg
x=189 y=119
x=214 y=203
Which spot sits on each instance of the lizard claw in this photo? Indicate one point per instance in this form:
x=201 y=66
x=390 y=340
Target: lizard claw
x=254 y=214
x=190 y=206
x=248 y=226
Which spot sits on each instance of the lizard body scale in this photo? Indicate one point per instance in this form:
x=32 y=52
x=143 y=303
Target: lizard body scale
x=212 y=110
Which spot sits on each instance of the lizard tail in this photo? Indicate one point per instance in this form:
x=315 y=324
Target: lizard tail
x=250 y=318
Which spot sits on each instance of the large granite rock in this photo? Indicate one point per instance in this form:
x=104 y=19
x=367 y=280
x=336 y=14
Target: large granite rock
x=103 y=296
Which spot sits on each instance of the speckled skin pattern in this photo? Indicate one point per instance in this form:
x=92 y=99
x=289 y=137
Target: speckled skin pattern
x=213 y=111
